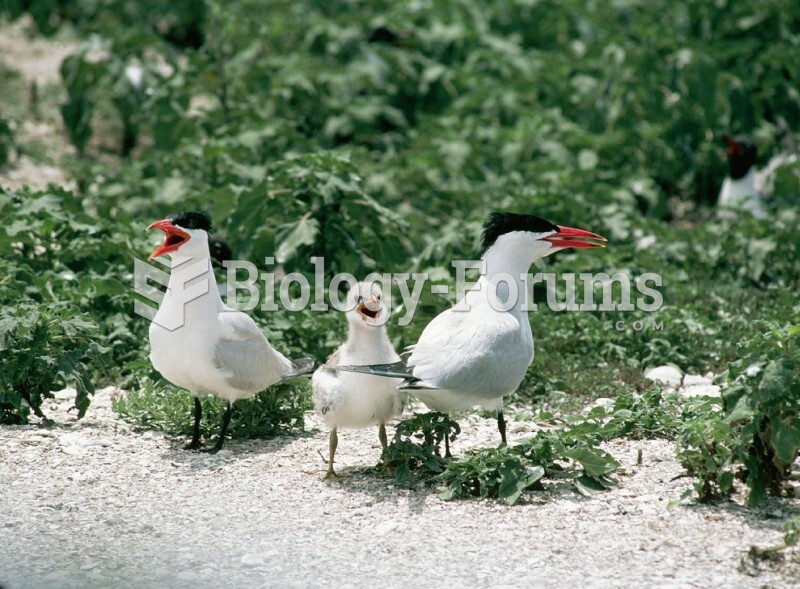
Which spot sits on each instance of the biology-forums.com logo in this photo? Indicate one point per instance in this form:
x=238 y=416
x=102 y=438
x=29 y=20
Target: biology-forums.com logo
x=245 y=288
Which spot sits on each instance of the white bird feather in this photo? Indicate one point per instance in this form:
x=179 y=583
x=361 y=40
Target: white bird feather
x=354 y=400
x=348 y=399
x=199 y=343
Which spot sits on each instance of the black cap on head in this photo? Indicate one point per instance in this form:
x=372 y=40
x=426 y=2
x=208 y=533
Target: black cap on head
x=191 y=220
x=741 y=155
x=501 y=223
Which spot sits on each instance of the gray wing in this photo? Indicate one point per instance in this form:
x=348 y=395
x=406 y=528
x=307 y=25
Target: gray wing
x=245 y=356
x=470 y=354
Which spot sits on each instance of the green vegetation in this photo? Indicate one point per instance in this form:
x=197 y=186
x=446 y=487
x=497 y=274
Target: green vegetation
x=154 y=404
x=424 y=457
x=566 y=449
x=757 y=438
x=45 y=348
x=379 y=135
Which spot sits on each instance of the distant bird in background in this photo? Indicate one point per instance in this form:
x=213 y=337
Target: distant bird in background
x=348 y=399
x=475 y=353
x=220 y=250
x=746 y=188
x=739 y=189
x=209 y=348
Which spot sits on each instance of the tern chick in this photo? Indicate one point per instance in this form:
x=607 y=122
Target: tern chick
x=351 y=400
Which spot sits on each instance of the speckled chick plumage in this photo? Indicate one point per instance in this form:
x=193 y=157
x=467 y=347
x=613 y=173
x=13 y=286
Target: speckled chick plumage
x=352 y=400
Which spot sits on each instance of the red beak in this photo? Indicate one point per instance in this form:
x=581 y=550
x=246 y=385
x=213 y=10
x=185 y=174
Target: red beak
x=733 y=147
x=174 y=237
x=570 y=237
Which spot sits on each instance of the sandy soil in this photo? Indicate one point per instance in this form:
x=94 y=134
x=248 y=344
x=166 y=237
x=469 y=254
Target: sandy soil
x=93 y=504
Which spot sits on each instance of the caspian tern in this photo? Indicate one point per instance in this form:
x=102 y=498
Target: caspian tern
x=745 y=187
x=207 y=347
x=347 y=399
x=476 y=353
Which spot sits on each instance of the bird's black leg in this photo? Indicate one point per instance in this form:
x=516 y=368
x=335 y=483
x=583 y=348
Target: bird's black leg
x=501 y=425
x=226 y=419
x=198 y=413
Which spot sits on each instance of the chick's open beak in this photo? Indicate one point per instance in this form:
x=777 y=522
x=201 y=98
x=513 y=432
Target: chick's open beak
x=370 y=309
x=174 y=237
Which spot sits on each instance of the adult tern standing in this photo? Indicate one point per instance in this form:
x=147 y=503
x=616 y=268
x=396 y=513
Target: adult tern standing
x=199 y=343
x=478 y=351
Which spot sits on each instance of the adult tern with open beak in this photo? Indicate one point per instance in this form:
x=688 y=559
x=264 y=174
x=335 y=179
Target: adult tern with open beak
x=478 y=351
x=199 y=343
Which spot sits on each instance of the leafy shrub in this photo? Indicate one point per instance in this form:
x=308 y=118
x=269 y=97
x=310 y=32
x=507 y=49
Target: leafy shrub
x=423 y=457
x=491 y=472
x=705 y=450
x=763 y=403
x=152 y=404
x=99 y=75
x=315 y=205
x=507 y=471
x=757 y=437
x=44 y=348
x=6 y=140
x=179 y=22
x=649 y=415
x=61 y=255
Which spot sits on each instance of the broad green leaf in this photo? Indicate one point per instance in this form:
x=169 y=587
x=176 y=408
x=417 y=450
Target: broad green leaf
x=303 y=233
x=785 y=439
x=593 y=463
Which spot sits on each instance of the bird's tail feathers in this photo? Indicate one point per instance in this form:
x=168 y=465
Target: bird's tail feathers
x=416 y=385
x=300 y=367
x=393 y=370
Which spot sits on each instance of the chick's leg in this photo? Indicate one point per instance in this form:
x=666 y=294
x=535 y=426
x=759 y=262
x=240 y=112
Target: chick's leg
x=333 y=441
x=383 y=463
x=384 y=440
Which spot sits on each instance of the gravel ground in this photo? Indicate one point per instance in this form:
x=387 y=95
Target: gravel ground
x=94 y=504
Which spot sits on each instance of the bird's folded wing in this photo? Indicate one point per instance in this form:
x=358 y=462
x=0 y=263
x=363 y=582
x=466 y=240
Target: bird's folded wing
x=245 y=364
x=244 y=355
x=463 y=352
